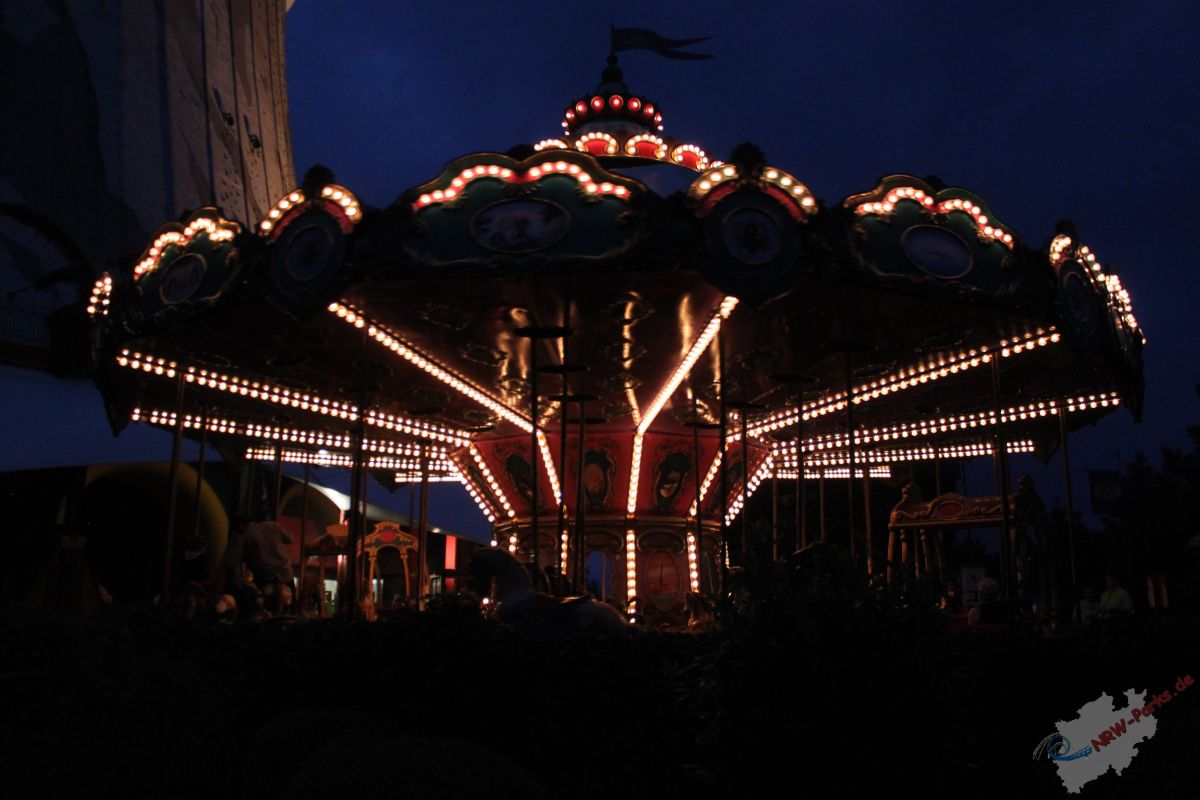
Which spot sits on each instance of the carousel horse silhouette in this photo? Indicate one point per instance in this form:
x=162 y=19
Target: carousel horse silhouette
x=497 y=575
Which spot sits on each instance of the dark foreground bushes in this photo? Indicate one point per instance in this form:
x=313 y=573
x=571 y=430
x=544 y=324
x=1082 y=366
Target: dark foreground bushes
x=444 y=704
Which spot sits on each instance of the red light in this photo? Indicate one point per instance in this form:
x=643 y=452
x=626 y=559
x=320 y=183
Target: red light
x=580 y=107
x=451 y=552
x=646 y=149
x=658 y=117
x=615 y=101
x=597 y=147
x=597 y=103
x=649 y=111
x=570 y=114
x=634 y=104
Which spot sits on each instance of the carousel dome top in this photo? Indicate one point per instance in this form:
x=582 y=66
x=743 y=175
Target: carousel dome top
x=612 y=108
x=622 y=128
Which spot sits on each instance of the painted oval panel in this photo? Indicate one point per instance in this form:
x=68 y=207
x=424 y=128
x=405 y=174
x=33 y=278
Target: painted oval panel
x=524 y=225
x=182 y=278
x=662 y=581
x=751 y=236
x=309 y=252
x=937 y=251
x=1080 y=301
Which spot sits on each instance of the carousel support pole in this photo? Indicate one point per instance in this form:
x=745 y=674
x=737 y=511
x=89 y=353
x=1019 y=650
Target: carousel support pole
x=172 y=495
x=412 y=527
x=867 y=520
x=696 y=480
x=303 y=543
x=775 y=546
x=1062 y=434
x=344 y=603
x=742 y=555
x=918 y=536
x=199 y=476
x=563 y=531
x=423 y=527
x=1000 y=467
x=534 y=458
x=939 y=546
x=358 y=517
x=821 y=506
x=278 y=495
x=927 y=550
x=939 y=535
x=850 y=454
x=249 y=501
x=891 y=558
x=580 y=505
x=723 y=500
x=364 y=486
x=233 y=497
x=372 y=571
x=801 y=495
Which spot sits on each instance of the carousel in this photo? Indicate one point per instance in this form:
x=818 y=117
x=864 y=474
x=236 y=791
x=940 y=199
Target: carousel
x=612 y=374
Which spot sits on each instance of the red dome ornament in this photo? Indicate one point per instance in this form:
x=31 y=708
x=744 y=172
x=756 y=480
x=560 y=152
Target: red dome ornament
x=621 y=114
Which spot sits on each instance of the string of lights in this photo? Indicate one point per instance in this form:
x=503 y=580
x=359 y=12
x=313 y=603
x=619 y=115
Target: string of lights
x=986 y=228
x=962 y=422
x=216 y=229
x=786 y=453
x=709 y=181
x=1062 y=248
x=915 y=375
x=668 y=390
x=426 y=364
x=459 y=183
x=339 y=198
x=764 y=469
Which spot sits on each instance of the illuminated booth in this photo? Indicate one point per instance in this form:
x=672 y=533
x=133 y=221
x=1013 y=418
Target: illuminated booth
x=611 y=373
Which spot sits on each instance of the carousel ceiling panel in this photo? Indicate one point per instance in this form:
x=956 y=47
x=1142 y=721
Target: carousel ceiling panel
x=619 y=336
x=630 y=333
x=466 y=325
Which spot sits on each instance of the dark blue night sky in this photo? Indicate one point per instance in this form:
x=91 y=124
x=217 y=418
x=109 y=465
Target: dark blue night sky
x=1047 y=110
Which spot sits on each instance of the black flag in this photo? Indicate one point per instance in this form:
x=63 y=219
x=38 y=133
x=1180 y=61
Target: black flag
x=642 y=39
